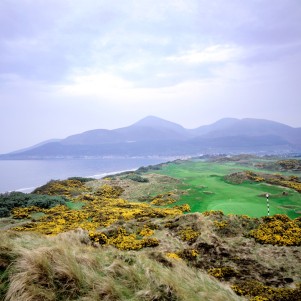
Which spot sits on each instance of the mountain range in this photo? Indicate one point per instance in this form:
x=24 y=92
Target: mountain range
x=153 y=136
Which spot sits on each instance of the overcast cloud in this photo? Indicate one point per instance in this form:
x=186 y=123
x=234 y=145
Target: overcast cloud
x=67 y=66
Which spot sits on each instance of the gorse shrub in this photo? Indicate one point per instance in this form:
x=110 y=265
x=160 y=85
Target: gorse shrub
x=100 y=210
x=276 y=179
x=108 y=191
x=257 y=291
x=188 y=234
x=216 y=213
x=146 y=231
x=188 y=254
x=222 y=272
x=69 y=188
x=183 y=208
x=163 y=199
x=123 y=240
x=278 y=230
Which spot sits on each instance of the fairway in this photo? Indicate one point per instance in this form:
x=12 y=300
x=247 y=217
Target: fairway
x=205 y=189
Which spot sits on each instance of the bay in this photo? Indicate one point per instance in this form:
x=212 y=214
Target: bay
x=25 y=175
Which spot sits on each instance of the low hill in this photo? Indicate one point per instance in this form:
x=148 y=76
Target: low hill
x=153 y=136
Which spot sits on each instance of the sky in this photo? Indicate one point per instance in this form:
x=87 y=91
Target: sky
x=68 y=66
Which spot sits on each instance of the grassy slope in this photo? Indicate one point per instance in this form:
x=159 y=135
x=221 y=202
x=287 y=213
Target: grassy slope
x=207 y=190
x=67 y=267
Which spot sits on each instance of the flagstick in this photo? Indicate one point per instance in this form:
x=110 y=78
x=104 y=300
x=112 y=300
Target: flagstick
x=268 y=204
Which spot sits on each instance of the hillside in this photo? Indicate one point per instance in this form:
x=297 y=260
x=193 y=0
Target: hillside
x=153 y=136
x=133 y=236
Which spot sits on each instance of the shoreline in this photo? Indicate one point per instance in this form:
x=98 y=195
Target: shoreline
x=96 y=177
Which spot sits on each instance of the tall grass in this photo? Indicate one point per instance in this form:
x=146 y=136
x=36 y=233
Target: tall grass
x=67 y=267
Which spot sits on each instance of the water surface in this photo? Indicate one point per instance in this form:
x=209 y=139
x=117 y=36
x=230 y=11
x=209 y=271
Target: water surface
x=25 y=175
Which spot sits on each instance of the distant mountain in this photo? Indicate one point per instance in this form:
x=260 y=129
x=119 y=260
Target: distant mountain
x=155 y=122
x=149 y=128
x=153 y=136
x=35 y=146
x=218 y=125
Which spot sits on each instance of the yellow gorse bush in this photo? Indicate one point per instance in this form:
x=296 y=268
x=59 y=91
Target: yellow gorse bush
x=123 y=240
x=183 y=208
x=173 y=256
x=146 y=231
x=100 y=210
x=24 y=212
x=278 y=230
x=216 y=213
x=257 y=291
x=220 y=225
x=163 y=201
x=222 y=272
x=188 y=234
x=276 y=179
x=188 y=254
x=65 y=187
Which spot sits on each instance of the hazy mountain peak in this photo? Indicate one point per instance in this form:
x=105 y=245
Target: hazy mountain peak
x=226 y=121
x=153 y=121
x=263 y=122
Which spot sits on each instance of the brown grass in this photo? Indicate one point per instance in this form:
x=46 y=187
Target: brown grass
x=67 y=268
x=157 y=184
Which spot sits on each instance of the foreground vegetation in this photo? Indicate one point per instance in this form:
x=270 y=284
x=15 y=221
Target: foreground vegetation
x=133 y=237
x=67 y=267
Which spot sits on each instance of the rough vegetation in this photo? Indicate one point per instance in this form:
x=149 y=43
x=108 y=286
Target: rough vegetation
x=70 y=187
x=279 y=230
x=291 y=181
x=281 y=165
x=67 y=267
x=97 y=245
x=9 y=201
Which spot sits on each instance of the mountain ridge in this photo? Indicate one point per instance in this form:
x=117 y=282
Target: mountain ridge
x=153 y=136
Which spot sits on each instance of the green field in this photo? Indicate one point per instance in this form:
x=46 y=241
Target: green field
x=206 y=189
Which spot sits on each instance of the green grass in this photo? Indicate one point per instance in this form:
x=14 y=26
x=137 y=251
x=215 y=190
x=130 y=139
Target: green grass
x=207 y=190
x=75 y=205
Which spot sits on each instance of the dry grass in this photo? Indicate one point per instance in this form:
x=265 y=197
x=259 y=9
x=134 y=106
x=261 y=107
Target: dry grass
x=134 y=190
x=67 y=268
x=70 y=266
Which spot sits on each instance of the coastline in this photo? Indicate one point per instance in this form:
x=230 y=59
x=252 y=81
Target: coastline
x=25 y=176
x=96 y=177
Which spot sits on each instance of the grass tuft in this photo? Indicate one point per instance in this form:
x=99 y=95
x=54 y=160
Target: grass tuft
x=66 y=268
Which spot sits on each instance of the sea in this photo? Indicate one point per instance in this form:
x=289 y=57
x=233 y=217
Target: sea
x=26 y=175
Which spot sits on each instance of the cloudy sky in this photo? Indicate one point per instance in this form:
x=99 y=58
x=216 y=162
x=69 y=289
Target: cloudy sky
x=67 y=66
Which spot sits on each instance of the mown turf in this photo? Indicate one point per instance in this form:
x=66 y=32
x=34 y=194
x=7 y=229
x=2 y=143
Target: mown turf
x=207 y=190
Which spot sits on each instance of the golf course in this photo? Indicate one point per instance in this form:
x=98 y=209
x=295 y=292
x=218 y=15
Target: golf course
x=206 y=188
